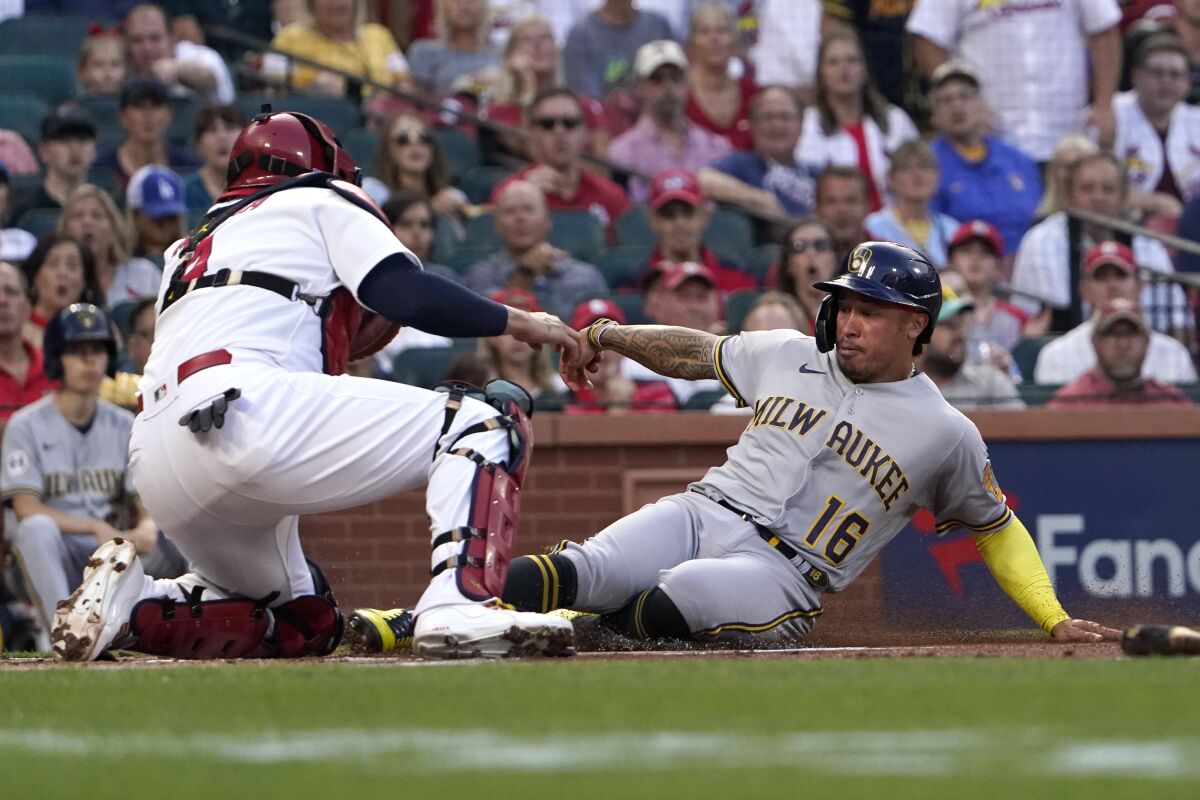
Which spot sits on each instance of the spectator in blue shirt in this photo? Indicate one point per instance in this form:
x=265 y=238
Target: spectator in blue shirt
x=983 y=177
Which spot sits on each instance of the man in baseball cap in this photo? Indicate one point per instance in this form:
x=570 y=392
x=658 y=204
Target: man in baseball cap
x=663 y=136
x=612 y=390
x=1110 y=272
x=67 y=150
x=155 y=200
x=145 y=116
x=1121 y=339
x=945 y=360
x=975 y=252
x=679 y=215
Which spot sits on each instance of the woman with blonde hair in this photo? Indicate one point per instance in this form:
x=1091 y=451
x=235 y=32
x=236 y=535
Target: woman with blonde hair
x=532 y=62
x=91 y=216
x=102 y=66
x=1069 y=150
x=717 y=101
x=339 y=36
x=462 y=59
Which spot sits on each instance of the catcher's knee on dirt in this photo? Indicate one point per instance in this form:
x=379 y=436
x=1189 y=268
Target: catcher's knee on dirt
x=649 y=615
x=308 y=625
x=541 y=583
x=482 y=563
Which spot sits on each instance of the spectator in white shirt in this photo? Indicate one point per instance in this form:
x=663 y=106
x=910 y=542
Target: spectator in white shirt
x=1110 y=273
x=789 y=33
x=1032 y=58
x=185 y=67
x=1158 y=134
x=1050 y=259
x=851 y=124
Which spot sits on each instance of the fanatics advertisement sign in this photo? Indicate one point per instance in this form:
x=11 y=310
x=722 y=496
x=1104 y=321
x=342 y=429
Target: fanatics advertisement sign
x=1115 y=522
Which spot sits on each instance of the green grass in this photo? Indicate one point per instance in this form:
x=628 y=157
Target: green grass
x=962 y=728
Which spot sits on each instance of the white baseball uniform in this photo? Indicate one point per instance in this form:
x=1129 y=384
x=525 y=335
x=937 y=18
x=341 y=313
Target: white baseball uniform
x=1141 y=150
x=831 y=468
x=297 y=441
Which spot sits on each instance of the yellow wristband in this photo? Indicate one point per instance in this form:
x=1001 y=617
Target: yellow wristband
x=595 y=330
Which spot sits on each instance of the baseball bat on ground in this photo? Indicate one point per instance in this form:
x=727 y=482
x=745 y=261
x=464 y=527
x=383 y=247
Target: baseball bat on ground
x=1167 y=640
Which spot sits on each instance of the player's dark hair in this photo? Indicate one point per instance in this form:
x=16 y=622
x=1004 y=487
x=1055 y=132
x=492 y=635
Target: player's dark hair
x=208 y=116
x=32 y=265
x=874 y=104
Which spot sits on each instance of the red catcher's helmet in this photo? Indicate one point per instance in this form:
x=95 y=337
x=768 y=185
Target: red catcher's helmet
x=283 y=144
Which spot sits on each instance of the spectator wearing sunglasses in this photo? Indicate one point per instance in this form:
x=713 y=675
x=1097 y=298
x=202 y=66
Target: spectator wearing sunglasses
x=663 y=137
x=809 y=256
x=557 y=140
x=409 y=157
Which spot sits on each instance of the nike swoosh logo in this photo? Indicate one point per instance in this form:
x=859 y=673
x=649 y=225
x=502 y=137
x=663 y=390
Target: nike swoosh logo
x=806 y=371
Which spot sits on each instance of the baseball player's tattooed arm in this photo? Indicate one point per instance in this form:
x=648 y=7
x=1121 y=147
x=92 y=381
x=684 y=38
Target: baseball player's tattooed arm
x=669 y=351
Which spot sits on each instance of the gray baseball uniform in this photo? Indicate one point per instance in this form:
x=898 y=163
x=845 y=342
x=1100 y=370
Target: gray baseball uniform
x=829 y=470
x=77 y=472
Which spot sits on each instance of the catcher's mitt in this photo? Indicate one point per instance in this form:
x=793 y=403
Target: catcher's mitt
x=373 y=334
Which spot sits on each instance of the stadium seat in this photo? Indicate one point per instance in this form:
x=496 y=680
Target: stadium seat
x=622 y=265
x=1036 y=394
x=630 y=304
x=340 y=115
x=460 y=149
x=107 y=180
x=1192 y=390
x=577 y=232
x=481 y=233
x=478 y=183
x=730 y=232
x=703 y=400
x=44 y=34
x=52 y=78
x=1025 y=353
x=183 y=120
x=422 y=366
x=464 y=258
x=736 y=307
x=23 y=184
x=361 y=144
x=446 y=233
x=39 y=221
x=633 y=229
x=102 y=109
x=758 y=261
x=23 y=113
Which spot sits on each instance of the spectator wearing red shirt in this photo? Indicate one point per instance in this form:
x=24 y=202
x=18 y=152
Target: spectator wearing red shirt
x=1121 y=337
x=612 y=392
x=557 y=140
x=22 y=380
x=679 y=215
x=716 y=100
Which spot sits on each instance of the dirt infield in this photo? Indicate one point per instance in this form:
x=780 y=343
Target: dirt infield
x=975 y=649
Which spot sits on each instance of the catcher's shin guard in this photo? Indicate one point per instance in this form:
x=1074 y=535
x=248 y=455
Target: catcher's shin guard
x=541 y=583
x=491 y=528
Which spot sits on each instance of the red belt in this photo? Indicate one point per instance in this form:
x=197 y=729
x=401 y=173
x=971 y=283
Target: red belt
x=213 y=358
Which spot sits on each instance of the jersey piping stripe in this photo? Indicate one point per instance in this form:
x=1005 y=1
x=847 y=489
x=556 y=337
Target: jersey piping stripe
x=942 y=527
x=723 y=377
x=545 y=583
x=748 y=628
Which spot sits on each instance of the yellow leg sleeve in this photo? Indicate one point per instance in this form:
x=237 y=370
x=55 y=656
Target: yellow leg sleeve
x=1014 y=562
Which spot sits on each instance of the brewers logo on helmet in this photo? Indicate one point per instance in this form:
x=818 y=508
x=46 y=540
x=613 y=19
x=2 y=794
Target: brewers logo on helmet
x=882 y=271
x=78 y=322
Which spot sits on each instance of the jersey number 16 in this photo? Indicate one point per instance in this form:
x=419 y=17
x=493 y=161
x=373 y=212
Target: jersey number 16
x=849 y=530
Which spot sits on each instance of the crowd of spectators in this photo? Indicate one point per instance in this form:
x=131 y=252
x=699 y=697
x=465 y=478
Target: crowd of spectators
x=698 y=162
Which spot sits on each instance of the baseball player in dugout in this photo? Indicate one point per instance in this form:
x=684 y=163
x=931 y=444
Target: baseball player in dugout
x=846 y=442
x=245 y=422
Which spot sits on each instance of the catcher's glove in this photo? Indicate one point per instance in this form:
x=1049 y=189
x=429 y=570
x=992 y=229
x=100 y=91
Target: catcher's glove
x=374 y=333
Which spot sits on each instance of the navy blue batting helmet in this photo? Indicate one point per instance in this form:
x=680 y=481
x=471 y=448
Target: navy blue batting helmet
x=883 y=271
x=78 y=322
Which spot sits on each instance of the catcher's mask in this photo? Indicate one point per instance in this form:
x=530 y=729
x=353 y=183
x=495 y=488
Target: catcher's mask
x=283 y=144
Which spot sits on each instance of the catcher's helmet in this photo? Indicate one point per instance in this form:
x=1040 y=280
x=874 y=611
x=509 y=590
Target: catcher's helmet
x=883 y=271
x=78 y=322
x=283 y=144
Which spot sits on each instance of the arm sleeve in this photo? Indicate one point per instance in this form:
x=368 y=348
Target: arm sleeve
x=22 y=469
x=1014 y=562
x=739 y=360
x=399 y=290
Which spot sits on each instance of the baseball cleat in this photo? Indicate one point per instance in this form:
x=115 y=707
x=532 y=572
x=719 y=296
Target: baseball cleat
x=97 y=613
x=381 y=631
x=490 y=630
